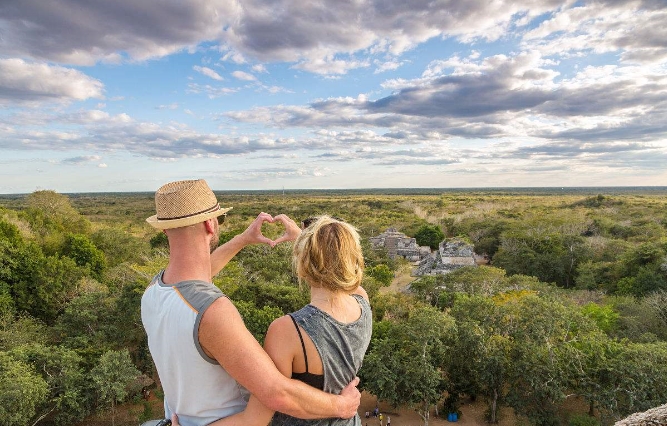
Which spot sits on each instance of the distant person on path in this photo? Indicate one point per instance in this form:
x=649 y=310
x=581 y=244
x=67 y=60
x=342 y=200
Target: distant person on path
x=201 y=348
x=322 y=344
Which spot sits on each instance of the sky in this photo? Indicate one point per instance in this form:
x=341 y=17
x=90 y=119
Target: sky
x=126 y=95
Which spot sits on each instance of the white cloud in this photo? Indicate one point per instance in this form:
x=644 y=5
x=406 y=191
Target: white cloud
x=71 y=32
x=638 y=33
x=211 y=91
x=386 y=66
x=232 y=56
x=27 y=82
x=81 y=159
x=171 y=106
x=580 y=89
x=208 y=72
x=276 y=89
x=260 y=68
x=284 y=30
x=498 y=96
x=331 y=66
x=244 y=76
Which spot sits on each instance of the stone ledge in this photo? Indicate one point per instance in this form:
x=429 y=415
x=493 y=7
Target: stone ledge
x=653 y=417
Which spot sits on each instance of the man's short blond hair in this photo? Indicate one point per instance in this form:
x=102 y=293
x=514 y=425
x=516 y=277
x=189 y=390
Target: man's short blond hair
x=328 y=254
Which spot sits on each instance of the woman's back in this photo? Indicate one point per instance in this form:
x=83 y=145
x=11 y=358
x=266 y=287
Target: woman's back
x=341 y=348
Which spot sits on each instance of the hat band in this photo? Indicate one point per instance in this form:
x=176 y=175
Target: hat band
x=215 y=207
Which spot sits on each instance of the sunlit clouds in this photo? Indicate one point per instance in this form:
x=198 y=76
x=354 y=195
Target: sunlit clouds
x=269 y=94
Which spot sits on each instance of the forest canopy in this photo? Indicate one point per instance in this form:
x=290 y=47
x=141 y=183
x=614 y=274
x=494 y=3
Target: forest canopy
x=572 y=302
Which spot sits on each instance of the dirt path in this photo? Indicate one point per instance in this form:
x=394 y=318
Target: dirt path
x=472 y=415
x=401 y=280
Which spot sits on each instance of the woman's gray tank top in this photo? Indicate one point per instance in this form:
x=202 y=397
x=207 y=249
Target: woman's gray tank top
x=341 y=348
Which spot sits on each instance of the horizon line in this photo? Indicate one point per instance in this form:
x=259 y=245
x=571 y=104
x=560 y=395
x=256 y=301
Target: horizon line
x=383 y=190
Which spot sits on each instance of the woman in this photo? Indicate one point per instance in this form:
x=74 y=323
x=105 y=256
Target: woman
x=323 y=343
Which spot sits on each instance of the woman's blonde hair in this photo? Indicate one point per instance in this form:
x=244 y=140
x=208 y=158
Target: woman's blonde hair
x=328 y=254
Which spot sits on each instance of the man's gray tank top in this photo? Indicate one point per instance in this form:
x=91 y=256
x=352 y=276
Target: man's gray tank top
x=341 y=348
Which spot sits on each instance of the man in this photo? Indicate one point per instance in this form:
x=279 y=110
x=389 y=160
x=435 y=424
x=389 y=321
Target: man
x=200 y=346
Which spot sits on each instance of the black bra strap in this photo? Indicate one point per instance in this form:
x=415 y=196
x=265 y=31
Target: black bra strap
x=303 y=346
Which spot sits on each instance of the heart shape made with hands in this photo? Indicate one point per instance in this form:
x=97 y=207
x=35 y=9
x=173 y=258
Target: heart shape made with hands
x=272 y=229
x=290 y=229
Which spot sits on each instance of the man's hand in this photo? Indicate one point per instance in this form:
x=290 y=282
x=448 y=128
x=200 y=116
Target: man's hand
x=253 y=234
x=292 y=230
x=349 y=400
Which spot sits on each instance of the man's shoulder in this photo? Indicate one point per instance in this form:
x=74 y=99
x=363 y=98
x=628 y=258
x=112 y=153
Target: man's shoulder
x=199 y=294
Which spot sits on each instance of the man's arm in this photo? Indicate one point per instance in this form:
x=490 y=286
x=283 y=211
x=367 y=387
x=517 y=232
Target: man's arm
x=252 y=235
x=223 y=336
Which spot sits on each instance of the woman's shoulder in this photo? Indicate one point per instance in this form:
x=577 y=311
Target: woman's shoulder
x=281 y=325
x=361 y=292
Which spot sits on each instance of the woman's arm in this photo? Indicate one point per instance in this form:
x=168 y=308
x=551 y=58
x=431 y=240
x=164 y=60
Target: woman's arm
x=255 y=414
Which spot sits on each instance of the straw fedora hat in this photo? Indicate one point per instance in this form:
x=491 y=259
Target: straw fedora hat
x=184 y=203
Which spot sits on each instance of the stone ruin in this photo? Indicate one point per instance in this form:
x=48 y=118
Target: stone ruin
x=399 y=244
x=653 y=417
x=451 y=255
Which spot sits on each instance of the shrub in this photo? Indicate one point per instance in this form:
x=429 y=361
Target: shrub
x=583 y=420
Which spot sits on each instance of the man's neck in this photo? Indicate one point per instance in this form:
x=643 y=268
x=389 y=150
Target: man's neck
x=186 y=265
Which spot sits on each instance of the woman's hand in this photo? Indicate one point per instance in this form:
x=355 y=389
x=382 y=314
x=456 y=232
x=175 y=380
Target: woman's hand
x=292 y=230
x=174 y=420
x=253 y=234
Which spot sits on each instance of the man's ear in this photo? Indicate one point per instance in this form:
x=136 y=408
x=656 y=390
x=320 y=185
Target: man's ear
x=210 y=225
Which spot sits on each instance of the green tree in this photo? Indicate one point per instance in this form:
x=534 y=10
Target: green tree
x=20 y=330
x=650 y=253
x=61 y=369
x=112 y=377
x=485 y=236
x=427 y=289
x=51 y=216
x=376 y=256
x=266 y=265
x=640 y=320
x=40 y=285
x=649 y=279
x=79 y=248
x=632 y=377
x=382 y=273
x=257 y=320
x=604 y=316
x=430 y=235
x=406 y=366
x=21 y=391
x=59 y=210
x=118 y=246
x=88 y=326
x=286 y=298
x=550 y=256
x=591 y=372
x=543 y=358
x=480 y=360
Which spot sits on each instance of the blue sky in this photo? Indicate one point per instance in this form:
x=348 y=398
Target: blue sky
x=123 y=95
